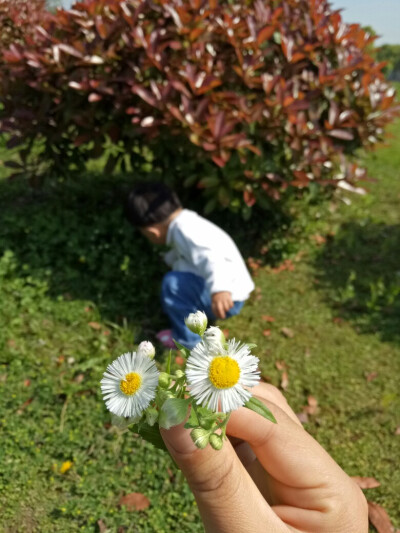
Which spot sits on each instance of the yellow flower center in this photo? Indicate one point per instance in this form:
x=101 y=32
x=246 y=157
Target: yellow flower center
x=131 y=384
x=224 y=372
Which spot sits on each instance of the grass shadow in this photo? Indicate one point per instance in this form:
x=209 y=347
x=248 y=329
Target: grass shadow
x=74 y=236
x=360 y=271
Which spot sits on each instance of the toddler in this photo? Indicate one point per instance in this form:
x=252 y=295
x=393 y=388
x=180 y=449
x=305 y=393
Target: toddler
x=208 y=272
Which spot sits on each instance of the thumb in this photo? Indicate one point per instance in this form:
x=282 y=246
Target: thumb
x=227 y=498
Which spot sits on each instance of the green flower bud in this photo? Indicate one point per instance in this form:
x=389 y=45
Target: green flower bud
x=216 y=441
x=164 y=395
x=151 y=416
x=179 y=374
x=206 y=423
x=200 y=437
x=164 y=380
x=197 y=322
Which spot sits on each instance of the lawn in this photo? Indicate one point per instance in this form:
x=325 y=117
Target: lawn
x=78 y=287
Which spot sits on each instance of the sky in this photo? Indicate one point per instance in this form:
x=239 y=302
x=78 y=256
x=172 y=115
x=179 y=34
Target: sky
x=382 y=15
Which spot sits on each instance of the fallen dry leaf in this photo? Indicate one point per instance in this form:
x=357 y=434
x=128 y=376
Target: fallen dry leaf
x=319 y=239
x=179 y=360
x=366 y=482
x=397 y=432
x=286 y=265
x=303 y=417
x=102 y=527
x=371 y=376
x=379 y=518
x=135 y=501
x=284 y=380
x=267 y=332
x=287 y=332
x=312 y=407
x=79 y=378
x=24 y=406
x=95 y=325
x=268 y=318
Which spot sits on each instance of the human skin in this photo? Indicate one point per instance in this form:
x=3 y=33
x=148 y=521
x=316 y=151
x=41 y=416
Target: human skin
x=221 y=303
x=272 y=478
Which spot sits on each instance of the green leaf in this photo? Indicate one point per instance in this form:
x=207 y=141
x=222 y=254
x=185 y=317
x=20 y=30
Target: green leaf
x=173 y=412
x=251 y=346
x=150 y=434
x=185 y=351
x=254 y=404
x=212 y=181
x=193 y=421
x=169 y=362
x=121 y=422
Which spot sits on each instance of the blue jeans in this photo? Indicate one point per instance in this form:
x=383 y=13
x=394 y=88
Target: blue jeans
x=183 y=293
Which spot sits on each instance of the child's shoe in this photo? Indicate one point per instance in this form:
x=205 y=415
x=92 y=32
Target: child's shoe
x=165 y=337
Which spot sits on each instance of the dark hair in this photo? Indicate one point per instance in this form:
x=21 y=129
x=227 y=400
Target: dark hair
x=150 y=203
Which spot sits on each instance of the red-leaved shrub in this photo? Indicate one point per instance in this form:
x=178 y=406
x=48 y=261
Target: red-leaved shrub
x=242 y=98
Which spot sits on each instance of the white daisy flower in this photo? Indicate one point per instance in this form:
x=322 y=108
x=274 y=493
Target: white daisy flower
x=217 y=379
x=214 y=339
x=129 y=384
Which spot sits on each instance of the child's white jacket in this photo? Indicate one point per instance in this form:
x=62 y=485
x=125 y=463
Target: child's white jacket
x=201 y=247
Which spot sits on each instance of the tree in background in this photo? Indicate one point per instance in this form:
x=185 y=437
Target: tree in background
x=243 y=100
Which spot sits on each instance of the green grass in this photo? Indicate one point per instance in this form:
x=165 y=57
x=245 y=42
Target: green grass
x=78 y=287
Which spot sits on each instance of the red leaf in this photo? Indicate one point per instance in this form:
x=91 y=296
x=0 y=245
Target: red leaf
x=265 y=34
x=344 y=135
x=94 y=97
x=366 y=482
x=379 y=518
x=70 y=50
x=101 y=28
x=135 y=501
x=249 y=198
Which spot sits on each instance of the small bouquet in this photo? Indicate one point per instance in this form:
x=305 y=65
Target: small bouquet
x=217 y=379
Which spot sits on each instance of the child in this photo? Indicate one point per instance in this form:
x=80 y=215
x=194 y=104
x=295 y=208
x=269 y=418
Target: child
x=208 y=272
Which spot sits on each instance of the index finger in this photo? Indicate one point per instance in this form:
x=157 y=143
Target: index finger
x=285 y=450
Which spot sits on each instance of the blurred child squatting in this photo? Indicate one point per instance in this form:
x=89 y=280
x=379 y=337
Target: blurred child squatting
x=208 y=272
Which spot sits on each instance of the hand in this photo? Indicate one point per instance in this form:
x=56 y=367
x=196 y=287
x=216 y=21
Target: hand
x=272 y=477
x=221 y=303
